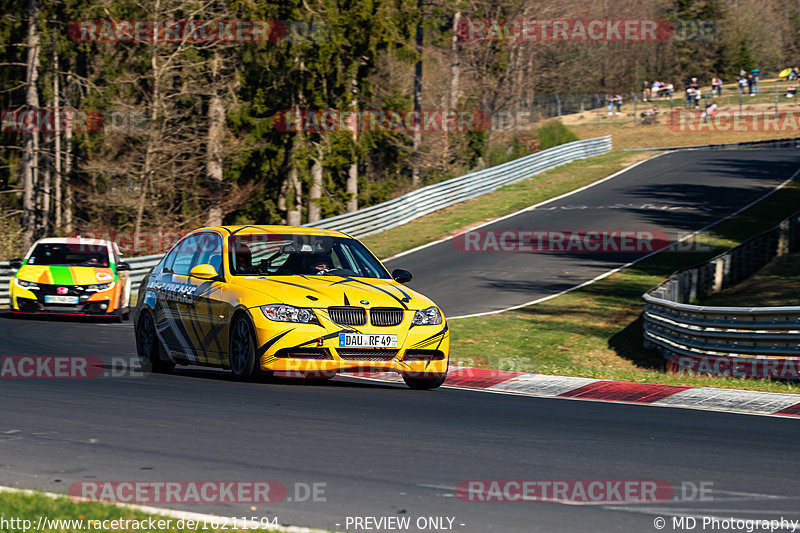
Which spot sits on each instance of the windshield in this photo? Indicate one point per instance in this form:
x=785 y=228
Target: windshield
x=309 y=255
x=72 y=254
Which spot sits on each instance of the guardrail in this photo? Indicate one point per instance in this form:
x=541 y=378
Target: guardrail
x=409 y=206
x=676 y=327
x=425 y=200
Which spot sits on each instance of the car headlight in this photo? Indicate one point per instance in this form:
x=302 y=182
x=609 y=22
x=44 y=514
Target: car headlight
x=100 y=287
x=427 y=317
x=287 y=313
x=29 y=285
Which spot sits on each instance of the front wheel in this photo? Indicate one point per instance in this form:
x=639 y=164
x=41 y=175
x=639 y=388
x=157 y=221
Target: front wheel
x=245 y=365
x=426 y=383
x=148 y=346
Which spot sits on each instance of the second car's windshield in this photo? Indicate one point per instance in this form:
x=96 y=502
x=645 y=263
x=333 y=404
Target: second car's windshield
x=309 y=255
x=69 y=254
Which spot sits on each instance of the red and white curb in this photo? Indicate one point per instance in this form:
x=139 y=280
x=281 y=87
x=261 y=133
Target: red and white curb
x=544 y=386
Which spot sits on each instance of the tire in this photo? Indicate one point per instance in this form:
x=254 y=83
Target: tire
x=424 y=383
x=148 y=347
x=242 y=352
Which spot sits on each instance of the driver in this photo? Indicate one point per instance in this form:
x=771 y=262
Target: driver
x=321 y=264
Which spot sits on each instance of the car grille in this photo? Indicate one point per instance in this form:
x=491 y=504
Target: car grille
x=385 y=316
x=423 y=355
x=348 y=316
x=303 y=353
x=353 y=354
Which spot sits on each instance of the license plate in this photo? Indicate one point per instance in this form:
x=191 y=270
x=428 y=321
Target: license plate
x=359 y=340
x=56 y=299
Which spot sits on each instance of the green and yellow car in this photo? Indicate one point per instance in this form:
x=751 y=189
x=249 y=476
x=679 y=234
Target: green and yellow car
x=259 y=299
x=71 y=276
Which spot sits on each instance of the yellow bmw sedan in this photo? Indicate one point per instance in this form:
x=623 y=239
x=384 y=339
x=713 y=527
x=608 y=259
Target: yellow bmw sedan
x=259 y=299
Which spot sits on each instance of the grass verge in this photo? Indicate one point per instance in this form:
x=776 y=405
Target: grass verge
x=778 y=283
x=596 y=331
x=66 y=516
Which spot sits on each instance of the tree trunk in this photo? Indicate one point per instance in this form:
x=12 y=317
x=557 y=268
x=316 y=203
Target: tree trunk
x=31 y=138
x=58 y=221
x=293 y=198
x=352 y=173
x=315 y=192
x=68 y=163
x=216 y=125
x=455 y=64
x=415 y=158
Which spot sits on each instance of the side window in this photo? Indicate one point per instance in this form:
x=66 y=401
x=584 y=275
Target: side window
x=167 y=266
x=211 y=252
x=185 y=255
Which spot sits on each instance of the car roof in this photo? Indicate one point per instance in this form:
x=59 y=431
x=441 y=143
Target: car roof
x=72 y=240
x=281 y=230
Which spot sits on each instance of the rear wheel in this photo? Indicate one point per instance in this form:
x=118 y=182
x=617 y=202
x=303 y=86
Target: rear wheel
x=244 y=362
x=148 y=346
x=426 y=383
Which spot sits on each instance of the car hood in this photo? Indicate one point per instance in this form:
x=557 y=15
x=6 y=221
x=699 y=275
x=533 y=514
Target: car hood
x=65 y=275
x=326 y=291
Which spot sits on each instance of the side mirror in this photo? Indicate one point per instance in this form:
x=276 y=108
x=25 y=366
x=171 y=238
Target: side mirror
x=16 y=264
x=401 y=276
x=204 y=271
x=123 y=266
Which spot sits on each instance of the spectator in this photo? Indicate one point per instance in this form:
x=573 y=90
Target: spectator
x=648 y=116
x=793 y=74
x=645 y=90
x=655 y=90
x=618 y=103
x=689 y=97
x=694 y=84
x=710 y=111
x=755 y=73
x=697 y=96
x=791 y=92
x=742 y=83
x=610 y=101
x=716 y=87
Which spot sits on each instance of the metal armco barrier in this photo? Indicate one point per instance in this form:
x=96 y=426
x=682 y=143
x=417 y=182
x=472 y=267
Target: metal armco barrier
x=678 y=328
x=425 y=200
x=409 y=206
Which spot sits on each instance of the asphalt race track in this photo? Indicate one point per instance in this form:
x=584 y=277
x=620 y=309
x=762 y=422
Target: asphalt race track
x=384 y=450
x=676 y=193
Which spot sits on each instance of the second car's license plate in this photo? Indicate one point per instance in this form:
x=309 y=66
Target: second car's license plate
x=56 y=299
x=359 y=340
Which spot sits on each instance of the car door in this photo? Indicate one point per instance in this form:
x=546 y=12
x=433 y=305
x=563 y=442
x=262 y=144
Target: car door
x=175 y=299
x=208 y=317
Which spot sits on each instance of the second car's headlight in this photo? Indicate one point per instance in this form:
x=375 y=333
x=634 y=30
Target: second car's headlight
x=287 y=313
x=100 y=287
x=31 y=286
x=427 y=317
